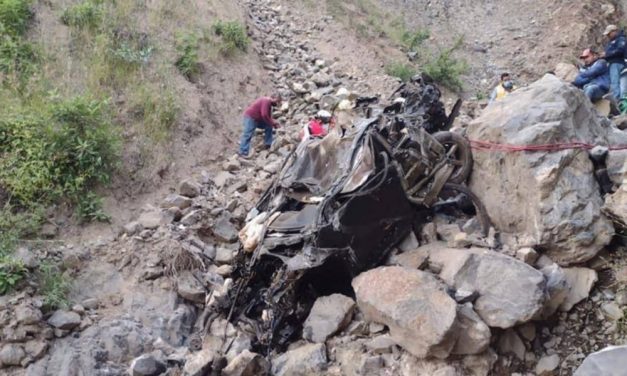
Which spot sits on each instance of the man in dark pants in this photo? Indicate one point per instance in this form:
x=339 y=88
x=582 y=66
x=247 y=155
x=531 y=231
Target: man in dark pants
x=259 y=115
x=614 y=54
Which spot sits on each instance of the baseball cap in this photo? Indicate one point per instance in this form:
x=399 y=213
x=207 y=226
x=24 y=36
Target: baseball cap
x=609 y=29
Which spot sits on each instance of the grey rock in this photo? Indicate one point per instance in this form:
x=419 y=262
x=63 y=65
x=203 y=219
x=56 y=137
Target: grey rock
x=510 y=291
x=381 y=344
x=132 y=228
x=65 y=320
x=192 y=217
x=474 y=334
x=328 y=315
x=413 y=304
x=36 y=348
x=189 y=188
x=27 y=258
x=109 y=344
x=224 y=255
x=556 y=289
x=306 y=360
x=321 y=79
x=11 y=355
x=510 y=343
x=179 y=325
x=530 y=195
x=612 y=311
x=615 y=205
x=580 y=282
x=150 y=219
x=198 y=364
x=548 y=365
x=527 y=255
x=527 y=331
x=188 y=287
x=27 y=315
x=428 y=233
x=223 y=179
x=611 y=361
x=409 y=243
x=247 y=364
x=447 y=232
x=147 y=365
x=174 y=200
x=224 y=230
x=90 y=303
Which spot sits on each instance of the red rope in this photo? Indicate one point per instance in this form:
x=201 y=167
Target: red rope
x=491 y=146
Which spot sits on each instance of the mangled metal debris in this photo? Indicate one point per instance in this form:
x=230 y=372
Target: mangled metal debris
x=340 y=204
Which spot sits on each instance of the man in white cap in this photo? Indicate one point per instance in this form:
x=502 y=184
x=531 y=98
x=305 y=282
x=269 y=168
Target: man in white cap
x=615 y=56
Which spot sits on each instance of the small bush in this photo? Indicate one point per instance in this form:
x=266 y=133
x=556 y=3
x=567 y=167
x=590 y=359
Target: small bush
x=446 y=69
x=86 y=15
x=134 y=55
x=11 y=273
x=187 y=46
x=54 y=286
x=413 y=39
x=233 y=36
x=14 y=16
x=89 y=208
x=400 y=70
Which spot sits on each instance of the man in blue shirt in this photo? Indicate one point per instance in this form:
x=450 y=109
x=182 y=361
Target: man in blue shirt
x=593 y=77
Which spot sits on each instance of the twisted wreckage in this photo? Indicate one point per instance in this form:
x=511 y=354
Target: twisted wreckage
x=341 y=203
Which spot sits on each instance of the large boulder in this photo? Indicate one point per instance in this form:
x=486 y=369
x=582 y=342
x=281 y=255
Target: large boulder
x=548 y=200
x=510 y=291
x=615 y=206
x=611 y=361
x=421 y=316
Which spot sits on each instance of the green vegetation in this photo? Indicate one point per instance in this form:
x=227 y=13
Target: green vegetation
x=54 y=286
x=369 y=21
x=400 y=70
x=446 y=69
x=11 y=273
x=15 y=16
x=60 y=151
x=187 y=46
x=85 y=15
x=156 y=108
x=17 y=57
x=233 y=36
x=413 y=39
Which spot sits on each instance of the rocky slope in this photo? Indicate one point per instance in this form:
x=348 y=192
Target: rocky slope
x=140 y=299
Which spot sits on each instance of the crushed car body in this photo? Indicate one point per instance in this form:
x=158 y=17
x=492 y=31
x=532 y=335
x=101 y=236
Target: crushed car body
x=340 y=204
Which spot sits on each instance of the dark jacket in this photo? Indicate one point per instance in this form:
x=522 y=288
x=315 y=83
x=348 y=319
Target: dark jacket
x=598 y=73
x=615 y=49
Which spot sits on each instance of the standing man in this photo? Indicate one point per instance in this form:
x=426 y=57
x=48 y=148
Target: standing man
x=615 y=56
x=594 y=76
x=259 y=115
x=504 y=87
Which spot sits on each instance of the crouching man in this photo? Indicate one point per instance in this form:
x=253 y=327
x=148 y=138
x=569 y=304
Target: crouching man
x=594 y=75
x=259 y=115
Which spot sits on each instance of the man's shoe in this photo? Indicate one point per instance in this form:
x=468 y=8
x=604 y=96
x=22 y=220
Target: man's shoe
x=243 y=156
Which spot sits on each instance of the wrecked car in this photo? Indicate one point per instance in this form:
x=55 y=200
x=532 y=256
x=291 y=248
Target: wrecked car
x=340 y=204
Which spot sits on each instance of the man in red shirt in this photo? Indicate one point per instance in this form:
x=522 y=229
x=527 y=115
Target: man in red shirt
x=259 y=115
